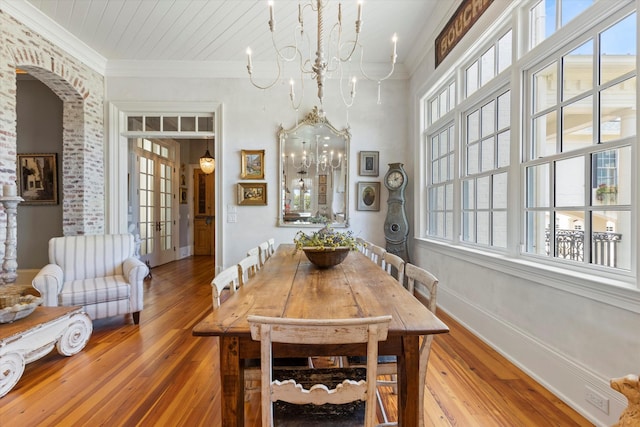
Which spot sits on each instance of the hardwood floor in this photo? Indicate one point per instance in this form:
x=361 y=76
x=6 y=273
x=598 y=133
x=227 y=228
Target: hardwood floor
x=157 y=373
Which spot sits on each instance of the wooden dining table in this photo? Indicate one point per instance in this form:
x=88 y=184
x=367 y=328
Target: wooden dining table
x=288 y=285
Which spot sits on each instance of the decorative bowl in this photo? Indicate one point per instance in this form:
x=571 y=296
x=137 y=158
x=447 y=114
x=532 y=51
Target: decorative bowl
x=18 y=307
x=326 y=257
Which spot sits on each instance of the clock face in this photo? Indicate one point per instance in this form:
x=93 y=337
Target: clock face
x=395 y=179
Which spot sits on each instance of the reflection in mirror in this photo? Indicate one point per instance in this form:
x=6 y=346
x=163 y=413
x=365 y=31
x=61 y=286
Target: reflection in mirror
x=314 y=184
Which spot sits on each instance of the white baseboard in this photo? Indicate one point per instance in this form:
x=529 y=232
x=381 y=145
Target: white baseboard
x=185 y=251
x=553 y=370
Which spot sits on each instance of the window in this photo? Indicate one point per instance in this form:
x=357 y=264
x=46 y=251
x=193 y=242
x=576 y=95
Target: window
x=547 y=16
x=562 y=124
x=485 y=150
x=170 y=123
x=484 y=185
x=441 y=157
x=441 y=104
x=494 y=60
x=578 y=163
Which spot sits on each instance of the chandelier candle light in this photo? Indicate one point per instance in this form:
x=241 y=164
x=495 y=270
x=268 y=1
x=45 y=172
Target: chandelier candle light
x=319 y=67
x=321 y=160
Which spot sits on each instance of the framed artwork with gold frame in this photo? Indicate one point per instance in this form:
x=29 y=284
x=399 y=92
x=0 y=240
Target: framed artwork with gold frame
x=252 y=193
x=252 y=164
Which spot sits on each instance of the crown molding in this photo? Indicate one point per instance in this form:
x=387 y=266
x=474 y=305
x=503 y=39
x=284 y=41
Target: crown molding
x=40 y=23
x=217 y=69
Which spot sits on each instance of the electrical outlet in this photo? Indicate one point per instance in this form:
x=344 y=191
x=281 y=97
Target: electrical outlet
x=596 y=399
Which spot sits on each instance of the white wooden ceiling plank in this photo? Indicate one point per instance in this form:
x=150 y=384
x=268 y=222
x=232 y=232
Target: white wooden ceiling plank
x=229 y=24
x=167 y=29
x=148 y=29
x=47 y=7
x=193 y=23
x=78 y=17
x=95 y=19
x=129 y=39
x=123 y=23
x=111 y=18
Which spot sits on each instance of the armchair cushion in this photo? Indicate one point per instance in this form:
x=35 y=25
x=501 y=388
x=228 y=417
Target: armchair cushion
x=98 y=272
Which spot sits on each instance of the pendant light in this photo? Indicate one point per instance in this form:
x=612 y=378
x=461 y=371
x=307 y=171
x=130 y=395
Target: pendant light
x=207 y=162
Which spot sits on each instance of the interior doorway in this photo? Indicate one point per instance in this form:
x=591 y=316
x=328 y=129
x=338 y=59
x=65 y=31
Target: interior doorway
x=204 y=213
x=157 y=206
x=192 y=131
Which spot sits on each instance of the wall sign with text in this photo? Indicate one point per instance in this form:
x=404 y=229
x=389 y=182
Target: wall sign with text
x=462 y=20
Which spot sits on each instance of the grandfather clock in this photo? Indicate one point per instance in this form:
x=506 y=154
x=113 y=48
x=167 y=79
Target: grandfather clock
x=396 y=226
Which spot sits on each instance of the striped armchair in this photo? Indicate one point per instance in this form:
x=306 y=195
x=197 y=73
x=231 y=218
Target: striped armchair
x=98 y=272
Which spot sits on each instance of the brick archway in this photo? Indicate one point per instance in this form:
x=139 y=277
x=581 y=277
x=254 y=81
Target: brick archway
x=81 y=90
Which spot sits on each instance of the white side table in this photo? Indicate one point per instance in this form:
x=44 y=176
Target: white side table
x=29 y=339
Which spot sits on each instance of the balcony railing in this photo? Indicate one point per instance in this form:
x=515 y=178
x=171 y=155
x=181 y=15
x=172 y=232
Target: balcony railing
x=569 y=244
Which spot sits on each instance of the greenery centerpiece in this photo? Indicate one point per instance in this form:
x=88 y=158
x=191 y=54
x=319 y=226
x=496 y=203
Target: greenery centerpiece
x=325 y=247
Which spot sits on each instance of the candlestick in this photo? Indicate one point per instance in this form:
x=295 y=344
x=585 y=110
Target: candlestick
x=10 y=265
x=9 y=190
x=395 y=43
x=272 y=22
x=249 y=59
x=292 y=94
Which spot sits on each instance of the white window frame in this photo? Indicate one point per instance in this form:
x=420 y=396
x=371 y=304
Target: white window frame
x=616 y=288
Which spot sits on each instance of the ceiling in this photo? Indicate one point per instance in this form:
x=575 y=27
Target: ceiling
x=221 y=30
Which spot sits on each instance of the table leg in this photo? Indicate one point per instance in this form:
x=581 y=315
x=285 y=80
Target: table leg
x=408 y=382
x=231 y=382
x=11 y=369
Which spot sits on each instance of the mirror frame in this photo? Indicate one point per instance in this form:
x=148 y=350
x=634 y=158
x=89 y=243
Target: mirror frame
x=314 y=118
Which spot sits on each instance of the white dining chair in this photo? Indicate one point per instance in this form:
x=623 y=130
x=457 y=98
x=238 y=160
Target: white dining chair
x=394 y=266
x=377 y=254
x=227 y=278
x=247 y=268
x=272 y=246
x=269 y=330
x=255 y=251
x=361 y=245
x=265 y=254
x=416 y=277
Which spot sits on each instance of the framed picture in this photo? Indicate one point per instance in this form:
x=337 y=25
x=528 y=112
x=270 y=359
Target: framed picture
x=368 y=196
x=38 y=179
x=322 y=199
x=369 y=163
x=322 y=188
x=183 y=195
x=322 y=179
x=252 y=166
x=250 y=193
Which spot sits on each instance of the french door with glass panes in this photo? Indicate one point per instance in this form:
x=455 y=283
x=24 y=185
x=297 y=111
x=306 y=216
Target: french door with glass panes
x=157 y=201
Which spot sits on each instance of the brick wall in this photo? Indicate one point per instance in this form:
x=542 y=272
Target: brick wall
x=81 y=89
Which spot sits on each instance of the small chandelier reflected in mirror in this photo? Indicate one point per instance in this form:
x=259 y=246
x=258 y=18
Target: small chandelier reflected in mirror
x=207 y=162
x=322 y=160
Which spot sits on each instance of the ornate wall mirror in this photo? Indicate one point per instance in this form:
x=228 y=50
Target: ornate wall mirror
x=314 y=173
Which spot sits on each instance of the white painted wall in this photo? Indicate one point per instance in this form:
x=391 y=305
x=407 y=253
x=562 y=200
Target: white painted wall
x=566 y=331
x=250 y=120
